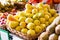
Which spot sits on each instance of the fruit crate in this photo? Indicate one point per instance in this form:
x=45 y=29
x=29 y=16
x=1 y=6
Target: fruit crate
x=24 y=36
x=13 y=23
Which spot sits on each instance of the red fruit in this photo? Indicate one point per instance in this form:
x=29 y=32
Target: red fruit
x=6 y=13
x=3 y=16
x=56 y=1
x=49 y=1
x=40 y=0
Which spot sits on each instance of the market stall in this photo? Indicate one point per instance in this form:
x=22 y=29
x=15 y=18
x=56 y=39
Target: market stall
x=30 y=20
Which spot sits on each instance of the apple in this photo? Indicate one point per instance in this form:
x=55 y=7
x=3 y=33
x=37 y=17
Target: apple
x=29 y=15
x=13 y=24
x=22 y=19
x=23 y=24
x=52 y=11
x=24 y=30
x=35 y=16
x=31 y=32
x=39 y=5
x=43 y=26
x=28 y=6
x=38 y=29
x=18 y=28
x=28 y=10
x=36 y=22
x=47 y=17
x=30 y=25
x=34 y=11
x=28 y=20
x=20 y=13
x=51 y=19
x=42 y=20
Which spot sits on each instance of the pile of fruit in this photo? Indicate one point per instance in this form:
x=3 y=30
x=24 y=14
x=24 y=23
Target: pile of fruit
x=52 y=31
x=33 y=20
x=8 y=5
x=3 y=16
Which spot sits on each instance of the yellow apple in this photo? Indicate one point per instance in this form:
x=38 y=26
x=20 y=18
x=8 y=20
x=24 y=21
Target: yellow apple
x=24 y=30
x=47 y=17
x=38 y=29
x=36 y=22
x=22 y=19
x=43 y=26
x=28 y=6
x=20 y=13
x=52 y=11
x=42 y=20
x=30 y=25
x=18 y=28
x=28 y=20
x=31 y=32
x=23 y=24
x=34 y=11
x=13 y=24
x=51 y=19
